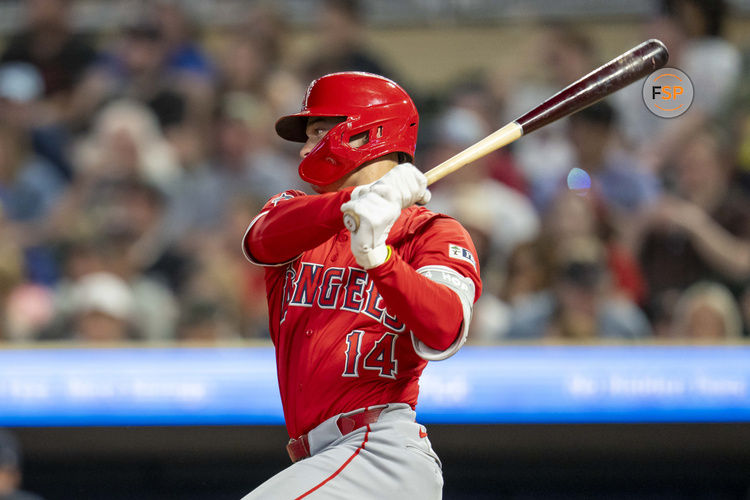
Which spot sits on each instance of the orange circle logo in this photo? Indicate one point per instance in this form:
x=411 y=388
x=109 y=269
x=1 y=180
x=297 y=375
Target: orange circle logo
x=668 y=92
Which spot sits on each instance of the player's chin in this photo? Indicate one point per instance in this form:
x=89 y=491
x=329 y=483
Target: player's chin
x=332 y=187
x=328 y=188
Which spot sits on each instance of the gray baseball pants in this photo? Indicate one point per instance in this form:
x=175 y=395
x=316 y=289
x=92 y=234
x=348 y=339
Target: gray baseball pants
x=390 y=459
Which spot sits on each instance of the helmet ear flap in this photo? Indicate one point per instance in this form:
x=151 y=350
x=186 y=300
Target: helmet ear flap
x=331 y=158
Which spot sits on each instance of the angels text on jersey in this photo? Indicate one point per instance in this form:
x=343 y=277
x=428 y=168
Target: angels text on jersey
x=341 y=288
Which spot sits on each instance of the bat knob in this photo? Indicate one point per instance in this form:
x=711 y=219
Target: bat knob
x=657 y=51
x=351 y=221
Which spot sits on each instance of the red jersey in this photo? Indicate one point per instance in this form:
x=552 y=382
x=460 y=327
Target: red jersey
x=346 y=338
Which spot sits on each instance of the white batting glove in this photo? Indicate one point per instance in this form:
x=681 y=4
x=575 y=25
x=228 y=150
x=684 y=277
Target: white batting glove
x=404 y=184
x=376 y=217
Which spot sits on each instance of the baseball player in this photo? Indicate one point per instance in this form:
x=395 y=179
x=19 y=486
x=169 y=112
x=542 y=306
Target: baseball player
x=355 y=316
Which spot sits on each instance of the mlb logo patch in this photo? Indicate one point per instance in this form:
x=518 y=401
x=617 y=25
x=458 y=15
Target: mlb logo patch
x=461 y=253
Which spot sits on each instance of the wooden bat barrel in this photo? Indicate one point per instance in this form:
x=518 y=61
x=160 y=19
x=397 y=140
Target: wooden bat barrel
x=603 y=81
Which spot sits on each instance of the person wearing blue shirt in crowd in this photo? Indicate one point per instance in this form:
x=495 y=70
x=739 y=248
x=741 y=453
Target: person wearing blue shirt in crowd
x=617 y=179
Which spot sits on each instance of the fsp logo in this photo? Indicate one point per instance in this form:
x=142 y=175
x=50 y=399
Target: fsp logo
x=668 y=92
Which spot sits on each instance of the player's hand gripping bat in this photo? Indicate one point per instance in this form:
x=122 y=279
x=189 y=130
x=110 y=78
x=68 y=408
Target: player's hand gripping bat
x=603 y=81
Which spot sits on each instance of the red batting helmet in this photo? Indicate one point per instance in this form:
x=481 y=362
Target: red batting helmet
x=370 y=104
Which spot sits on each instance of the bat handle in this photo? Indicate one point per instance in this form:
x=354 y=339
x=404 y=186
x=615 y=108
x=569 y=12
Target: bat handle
x=496 y=140
x=492 y=142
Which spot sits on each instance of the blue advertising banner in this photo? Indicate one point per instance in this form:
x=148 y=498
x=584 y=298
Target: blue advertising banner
x=235 y=386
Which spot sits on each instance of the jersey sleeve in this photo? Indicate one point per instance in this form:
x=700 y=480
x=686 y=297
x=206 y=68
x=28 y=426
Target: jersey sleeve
x=433 y=293
x=292 y=222
x=446 y=255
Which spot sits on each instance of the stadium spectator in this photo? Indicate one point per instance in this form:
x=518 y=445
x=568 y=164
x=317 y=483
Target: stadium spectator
x=185 y=55
x=574 y=280
x=498 y=219
x=268 y=25
x=575 y=215
x=707 y=312
x=104 y=310
x=567 y=54
x=115 y=227
x=205 y=322
x=695 y=31
x=459 y=126
x=582 y=304
x=196 y=204
x=342 y=46
x=136 y=220
x=240 y=163
x=22 y=107
x=618 y=180
x=253 y=62
x=248 y=160
x=10 y=469
x=186 y=64
x=126 y=142
x=136 y=69
x=744 y=303
x=48 y=43
x=527 y=281
x=131 y=248
x=701 y=232
x=29 y=189
x=244 y=66
x=29 y=309
x=221 y=274
x=737 y=124
x=150 y=306
x=712 y=62
x=498 y=215
x=529 y=271
x=29 y=185
x=11 y=274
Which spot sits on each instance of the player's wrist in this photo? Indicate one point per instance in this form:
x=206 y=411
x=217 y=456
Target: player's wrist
x=374 y=257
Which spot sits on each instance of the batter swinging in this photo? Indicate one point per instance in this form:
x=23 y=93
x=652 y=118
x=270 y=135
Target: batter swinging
x=355 y=317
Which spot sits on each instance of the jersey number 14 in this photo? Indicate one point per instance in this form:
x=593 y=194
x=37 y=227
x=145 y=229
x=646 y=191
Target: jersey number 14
x=382 y=356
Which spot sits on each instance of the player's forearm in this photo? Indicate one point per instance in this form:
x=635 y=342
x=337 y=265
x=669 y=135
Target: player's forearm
x=293 y=226
x=431 y=310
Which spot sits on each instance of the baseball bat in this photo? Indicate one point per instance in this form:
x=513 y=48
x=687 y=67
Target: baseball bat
x=620 y=72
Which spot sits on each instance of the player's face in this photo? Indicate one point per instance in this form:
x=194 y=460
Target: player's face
x=317 y=128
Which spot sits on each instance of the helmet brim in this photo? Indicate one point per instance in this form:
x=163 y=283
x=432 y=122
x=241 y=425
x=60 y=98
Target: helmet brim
x=293 y=127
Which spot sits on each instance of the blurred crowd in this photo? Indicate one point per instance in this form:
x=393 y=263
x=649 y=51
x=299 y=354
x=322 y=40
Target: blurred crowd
x=132 y=162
